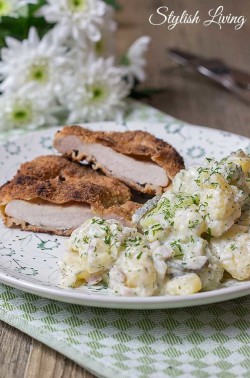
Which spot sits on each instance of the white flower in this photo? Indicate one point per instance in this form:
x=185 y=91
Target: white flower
x=134 y=60
x=32 y=65
x=79 y=19
x=19 y=112
x=95 y=92
x=12 y=8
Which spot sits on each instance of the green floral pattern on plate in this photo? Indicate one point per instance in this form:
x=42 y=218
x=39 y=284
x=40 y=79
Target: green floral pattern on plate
x=36 y=255
x=206 y=341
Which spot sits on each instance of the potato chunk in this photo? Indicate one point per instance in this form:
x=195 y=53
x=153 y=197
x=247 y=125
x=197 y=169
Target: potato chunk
x=233 y=250
x=184 y=285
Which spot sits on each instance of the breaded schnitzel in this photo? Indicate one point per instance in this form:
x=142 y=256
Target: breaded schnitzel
x=137 y=158
x=53 y=194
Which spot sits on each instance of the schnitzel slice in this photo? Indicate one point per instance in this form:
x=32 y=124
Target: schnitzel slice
x=53 y=194
x=137 y=158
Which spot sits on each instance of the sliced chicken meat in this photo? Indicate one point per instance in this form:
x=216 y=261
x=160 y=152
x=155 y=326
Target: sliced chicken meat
x=53 y=194
x=47 y=215
x=137 y=158
x=43 y=216
x=123 y=167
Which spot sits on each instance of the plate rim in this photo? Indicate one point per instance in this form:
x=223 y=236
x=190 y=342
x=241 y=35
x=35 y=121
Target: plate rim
x=86 y=125
x=153 y=302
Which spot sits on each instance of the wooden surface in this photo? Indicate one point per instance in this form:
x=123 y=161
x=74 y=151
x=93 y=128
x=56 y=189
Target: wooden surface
x=187 y=96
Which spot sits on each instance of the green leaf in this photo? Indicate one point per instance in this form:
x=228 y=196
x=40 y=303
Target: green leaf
x=19 y=27
x=13 y=27
x=114 y=4
x=33 y=8
x=124 y=60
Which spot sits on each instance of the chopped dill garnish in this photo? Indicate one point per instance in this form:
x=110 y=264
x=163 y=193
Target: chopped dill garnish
x=193 y=224
x=97 y=221
x=139 y=256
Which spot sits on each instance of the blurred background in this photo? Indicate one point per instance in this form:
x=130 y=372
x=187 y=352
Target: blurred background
x=188 y=95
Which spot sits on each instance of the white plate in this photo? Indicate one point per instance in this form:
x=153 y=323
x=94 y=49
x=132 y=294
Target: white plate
x=28 y=261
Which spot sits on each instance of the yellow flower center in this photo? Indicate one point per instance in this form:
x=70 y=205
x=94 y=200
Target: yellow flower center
x=97 y=93
x=5 y=8
x=76 y=5
x=39 y=72
x=21 y=114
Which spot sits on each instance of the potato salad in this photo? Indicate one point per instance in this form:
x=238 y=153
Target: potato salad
x=104 y=250
x=182 y=242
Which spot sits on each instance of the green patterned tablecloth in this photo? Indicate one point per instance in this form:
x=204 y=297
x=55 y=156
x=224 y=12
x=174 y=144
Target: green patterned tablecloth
x=205 y=341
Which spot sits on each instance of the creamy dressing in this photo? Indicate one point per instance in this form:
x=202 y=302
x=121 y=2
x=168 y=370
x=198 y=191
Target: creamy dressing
x=187 y=238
